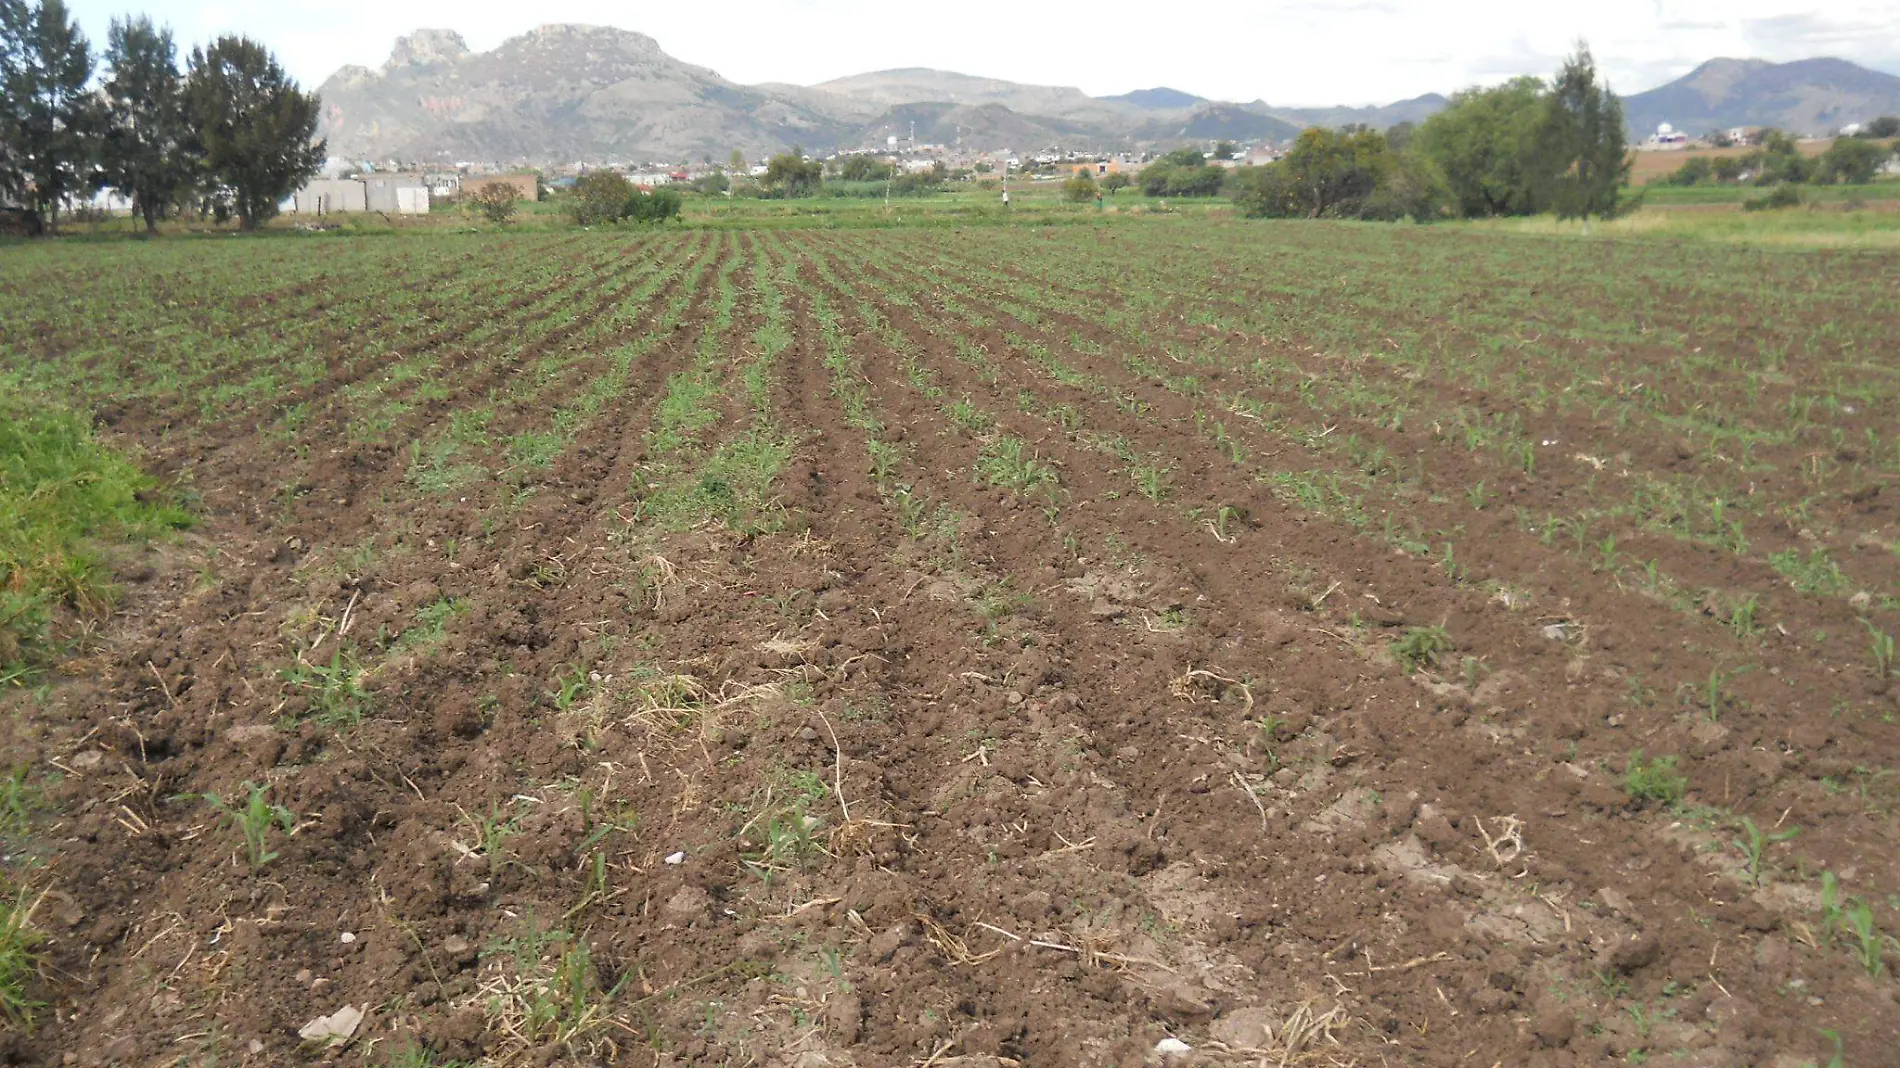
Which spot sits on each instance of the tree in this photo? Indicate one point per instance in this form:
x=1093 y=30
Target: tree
x=1849 y=161
x=1079 y=189
x=142 y=153
x=1696 y=170
x=496 y=201
x=790 y=175
x=1583 y=152
x=255 y=126
x=1881 y=128
x=1182 y=173
x=1226 y=150
x=1114 y=181
x=600 y=197
x=46 y=116
x=1334 y=172
x=712 y=183
x=865 y=168
x=1484 y=143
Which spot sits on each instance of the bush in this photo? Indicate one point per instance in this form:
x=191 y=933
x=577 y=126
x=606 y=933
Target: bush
x=1850 y=162
x=496 y=201
x=1785 y=195
x=606 y=197
x=1079 y=189
x=1169 y=178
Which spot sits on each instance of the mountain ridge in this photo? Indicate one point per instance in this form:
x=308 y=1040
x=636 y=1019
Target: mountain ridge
x=570 y=93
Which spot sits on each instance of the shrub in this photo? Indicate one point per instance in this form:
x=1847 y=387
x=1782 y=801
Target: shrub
x=605 y=197
x=1785 y=195
x=496 y=201
x=1080 y=189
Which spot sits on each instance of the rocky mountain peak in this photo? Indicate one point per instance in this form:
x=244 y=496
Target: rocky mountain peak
x=425 y=47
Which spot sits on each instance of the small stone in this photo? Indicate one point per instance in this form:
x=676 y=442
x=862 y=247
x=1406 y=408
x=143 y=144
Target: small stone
x=1615 y=901
x=348 y=938
x=675 y=858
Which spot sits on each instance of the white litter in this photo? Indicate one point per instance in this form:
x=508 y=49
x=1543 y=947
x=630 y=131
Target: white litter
x=348 y=938
x=676 y=858
x=1172 y=1047
x=334 y=1029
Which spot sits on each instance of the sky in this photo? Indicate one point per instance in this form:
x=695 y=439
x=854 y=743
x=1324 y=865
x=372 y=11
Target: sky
x=1291 y=53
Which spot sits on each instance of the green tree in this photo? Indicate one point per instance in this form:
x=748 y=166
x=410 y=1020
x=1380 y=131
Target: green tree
x=255 y=126
x=1696 y=170
x=600 y=197
x=865 y=168
x=1079 y=189
x=1849 y=161
x=1583 y=151
x=1333 y=173
x=790 y=175
x=142 y=152
x=1881 y=128
x=1226 y=150
x=1114 y=182
x=1483 y=143
x=47 y=119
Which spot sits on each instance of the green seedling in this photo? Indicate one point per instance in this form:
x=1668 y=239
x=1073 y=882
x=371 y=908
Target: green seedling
x=1420 y=648
x=1755 y=843
x=1869 y=942
x=254 y=820
x=1150 y=478
x=1880 y=648
x=1831 y=912
x=1654 y=780
x=1009 y=462
x=570 y=689
x=337 y=699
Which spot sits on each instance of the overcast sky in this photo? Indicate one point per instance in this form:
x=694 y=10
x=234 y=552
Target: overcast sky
x=1288 y=52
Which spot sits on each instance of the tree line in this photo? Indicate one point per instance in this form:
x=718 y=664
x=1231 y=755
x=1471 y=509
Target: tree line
x=230 y=134
x=1777 y=160
x=1522 y=148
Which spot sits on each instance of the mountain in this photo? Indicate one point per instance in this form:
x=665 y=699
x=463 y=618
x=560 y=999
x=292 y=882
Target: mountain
x=1811 y=96
x=1160 y=98
x=1415 y=110
x=917 y=84
x=1217 y=122
x=557 y=93
x=594 y=94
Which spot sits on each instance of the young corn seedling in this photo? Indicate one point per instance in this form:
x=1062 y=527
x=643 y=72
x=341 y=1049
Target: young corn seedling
x=1880 y=647
x=1869 y=942
x=1755 y=843
x=1831 y=913
x=254 y=820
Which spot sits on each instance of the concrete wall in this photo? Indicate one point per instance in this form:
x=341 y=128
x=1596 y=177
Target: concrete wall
x=380 y=193
x=412 y=200
x=330 y=195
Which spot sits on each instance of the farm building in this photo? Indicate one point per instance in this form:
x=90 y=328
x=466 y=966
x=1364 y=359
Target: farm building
x=396 y=195
x=391 y=195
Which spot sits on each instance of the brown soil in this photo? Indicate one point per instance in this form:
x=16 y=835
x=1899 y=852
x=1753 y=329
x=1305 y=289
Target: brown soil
x=1021 y=786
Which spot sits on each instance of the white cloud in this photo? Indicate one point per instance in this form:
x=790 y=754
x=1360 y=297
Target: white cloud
x=1301 y=52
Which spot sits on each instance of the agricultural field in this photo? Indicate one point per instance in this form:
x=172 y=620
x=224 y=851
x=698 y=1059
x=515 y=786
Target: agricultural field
x=1162 y=640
